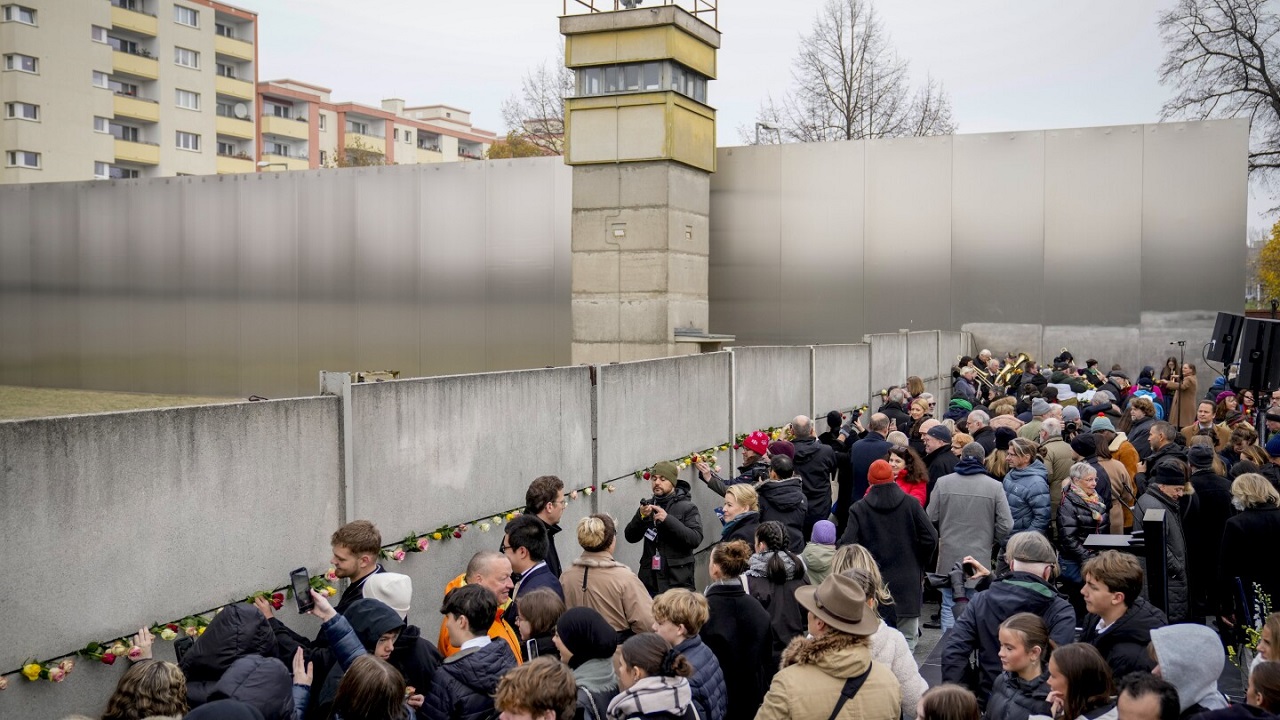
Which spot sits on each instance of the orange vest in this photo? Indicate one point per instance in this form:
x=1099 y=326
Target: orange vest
x=499 y=630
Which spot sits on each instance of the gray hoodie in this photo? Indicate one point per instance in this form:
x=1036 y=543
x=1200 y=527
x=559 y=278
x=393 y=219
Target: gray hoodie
x=1191 y=659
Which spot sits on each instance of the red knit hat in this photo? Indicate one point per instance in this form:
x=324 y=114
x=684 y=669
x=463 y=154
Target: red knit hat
x=757 y=442
x=880 y=473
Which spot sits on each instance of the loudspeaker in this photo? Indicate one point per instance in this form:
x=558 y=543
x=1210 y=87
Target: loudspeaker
x=1260 y=355
x=1226 y=338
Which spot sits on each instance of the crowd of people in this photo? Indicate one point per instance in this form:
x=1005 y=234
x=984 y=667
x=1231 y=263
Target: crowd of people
x=831 y=544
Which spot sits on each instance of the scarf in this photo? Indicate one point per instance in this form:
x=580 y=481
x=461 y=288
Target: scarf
x=1091 y=498
x=759 y=564
x=652 y=695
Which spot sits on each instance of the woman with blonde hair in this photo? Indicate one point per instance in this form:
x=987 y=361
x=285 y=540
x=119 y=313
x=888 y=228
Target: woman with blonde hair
x=888 y=646
x=741 y=513
x=152 y=687
x=857 y=557
x=1242 y=557
x=597 y=581
x=919 y=410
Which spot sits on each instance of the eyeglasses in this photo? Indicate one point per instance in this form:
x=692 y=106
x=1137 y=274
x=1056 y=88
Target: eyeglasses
x=505 y=547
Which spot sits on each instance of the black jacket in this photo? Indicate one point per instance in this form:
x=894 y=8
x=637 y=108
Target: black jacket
x=1179 y=609
x=897 y=414
x=417 y=659
x=737 y=631
x=783 y=501
x=678 y=538
x=239 y=630
x=1140 y=437
x=264 y=683
x=986 y=437
x=814 y=463
x=742 y=528
x=1214 y=495
x=869 y=449
x=465 y=684
x=978 y=625
x=553 y=557
x=941 y=462
x=895 y=529
x=787 y=618
x=1241 y=565
x=1077 y=520
x=1124 y=644
x=1013 y=698
x=370 y=619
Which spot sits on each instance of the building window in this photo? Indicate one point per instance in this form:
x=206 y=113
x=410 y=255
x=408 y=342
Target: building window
x=280 y=111
x=101 y=80
x=275 y=148
x=395 y=135
x=22 y=111
x=186 y=58
x=101 y=171
x=324 y=158
x=127 y=133
x=123 y=88
x=134 y=5
x=187 y=99
x=188 y=141
x=227 y=71
x=358 y=128
x=22 y=159
x=641 y=77
x=18 y=13
x=126 y=46
x=226 y=148
x=322 y=121
x=99 y=34
x=119 y=173
x=102 y=125
x=225 y=30
x=25 y=63
x=186 y=16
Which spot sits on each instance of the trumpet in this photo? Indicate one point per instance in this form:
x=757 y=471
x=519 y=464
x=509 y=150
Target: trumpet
x=1004 y=377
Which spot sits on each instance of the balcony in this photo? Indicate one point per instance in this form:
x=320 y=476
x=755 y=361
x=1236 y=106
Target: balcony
x=428 y=156
x=289 y=163
x=234 y=88
x=371 y=143
x=231 y=47
x=137 y=108
x=133 y=21
x=137 y=152
x=229 y=165
x=235 y=127
x=285 y=127
x=139 y=66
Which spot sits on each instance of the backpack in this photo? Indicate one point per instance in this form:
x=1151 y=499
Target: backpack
x=1154 y=401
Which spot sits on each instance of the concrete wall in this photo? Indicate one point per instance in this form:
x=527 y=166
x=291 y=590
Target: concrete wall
x=888 y=360
x=118 y=520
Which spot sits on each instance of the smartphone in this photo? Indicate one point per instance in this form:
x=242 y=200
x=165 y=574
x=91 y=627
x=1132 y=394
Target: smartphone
x=301 y=583
x=969 y=570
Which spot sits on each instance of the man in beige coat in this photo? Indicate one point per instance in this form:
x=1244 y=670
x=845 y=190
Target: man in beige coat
x=830 y=673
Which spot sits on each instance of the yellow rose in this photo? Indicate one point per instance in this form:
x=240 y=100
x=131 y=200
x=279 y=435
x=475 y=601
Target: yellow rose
x=31 y=672
x=201 y=630
x=435 y=536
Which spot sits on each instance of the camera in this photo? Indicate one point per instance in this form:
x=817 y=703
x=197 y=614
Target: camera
x=645 y=502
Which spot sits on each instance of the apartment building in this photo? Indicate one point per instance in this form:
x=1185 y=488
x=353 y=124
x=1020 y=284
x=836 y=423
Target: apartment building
x=302 y=127
x=126 y=88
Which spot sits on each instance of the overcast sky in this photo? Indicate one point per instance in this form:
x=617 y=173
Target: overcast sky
x=1007 y=64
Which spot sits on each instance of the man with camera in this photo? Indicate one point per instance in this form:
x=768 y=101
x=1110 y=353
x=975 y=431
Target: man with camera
x=671 y=529
x=1027 y=588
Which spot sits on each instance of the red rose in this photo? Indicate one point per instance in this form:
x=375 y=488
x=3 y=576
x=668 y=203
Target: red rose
x=457 y=533
x=646 y=474
x=277 y=601
x=108 y=659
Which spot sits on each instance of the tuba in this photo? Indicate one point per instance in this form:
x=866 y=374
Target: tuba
x=1016 y=367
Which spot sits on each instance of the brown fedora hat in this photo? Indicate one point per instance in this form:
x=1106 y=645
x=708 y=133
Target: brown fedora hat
x=841 y=603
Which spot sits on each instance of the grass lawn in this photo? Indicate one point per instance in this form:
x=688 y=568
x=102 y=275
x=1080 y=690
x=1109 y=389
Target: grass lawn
x=17 y=403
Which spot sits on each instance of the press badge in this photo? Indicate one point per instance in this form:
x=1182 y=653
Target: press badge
x=651 y=534
x=656 y=563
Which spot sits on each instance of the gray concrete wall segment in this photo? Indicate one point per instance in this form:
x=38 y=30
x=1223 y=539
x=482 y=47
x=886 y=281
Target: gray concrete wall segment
x=925 y=357
x=840 y=377
x=1004 y=338
x=773 y=385
x=432 y=438
x=888 y=360
x=908 y=231
x=689 y=394
x=1195 y=180
x=147 y=498
x=997 y=227
x=1093 y=209
x=1107 y=345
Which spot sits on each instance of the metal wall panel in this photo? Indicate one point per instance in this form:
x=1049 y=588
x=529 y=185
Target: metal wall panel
x=997 y=227
x=1195 y=177
x=1093 y=226
x=746 y=221
x=907 y=269
x=821 y=243
x=253 y=284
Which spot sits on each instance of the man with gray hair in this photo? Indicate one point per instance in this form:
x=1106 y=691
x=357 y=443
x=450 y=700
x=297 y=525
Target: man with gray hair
x=978 y=425
x=814 y=463
x=1028 y=588
x=895 y=407
x=971 y=513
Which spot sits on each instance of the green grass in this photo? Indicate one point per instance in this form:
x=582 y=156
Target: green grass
x=18 y=403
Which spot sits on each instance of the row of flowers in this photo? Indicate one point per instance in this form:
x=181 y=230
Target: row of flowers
x=57 y=669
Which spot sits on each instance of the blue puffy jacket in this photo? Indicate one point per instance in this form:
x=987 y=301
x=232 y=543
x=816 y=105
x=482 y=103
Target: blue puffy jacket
x=709 y=693
x=1027 y=490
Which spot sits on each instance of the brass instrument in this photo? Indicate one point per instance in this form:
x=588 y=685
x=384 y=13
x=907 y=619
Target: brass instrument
x=1014 y=368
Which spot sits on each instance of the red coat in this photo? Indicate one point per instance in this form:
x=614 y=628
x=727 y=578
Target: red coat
x=915 y=490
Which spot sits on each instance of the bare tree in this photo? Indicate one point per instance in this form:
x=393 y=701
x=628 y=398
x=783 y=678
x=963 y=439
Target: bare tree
x=536 y=113
x=1222 y=57
x=850 y=84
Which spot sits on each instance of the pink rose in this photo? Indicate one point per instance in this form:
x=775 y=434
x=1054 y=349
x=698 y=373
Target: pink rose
x=423 y=543
x=135 y=653
x=398 y=556
x=193 y=631
x=331 y=575
x=4 y=683
x=67 y=665
x=57 y=675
